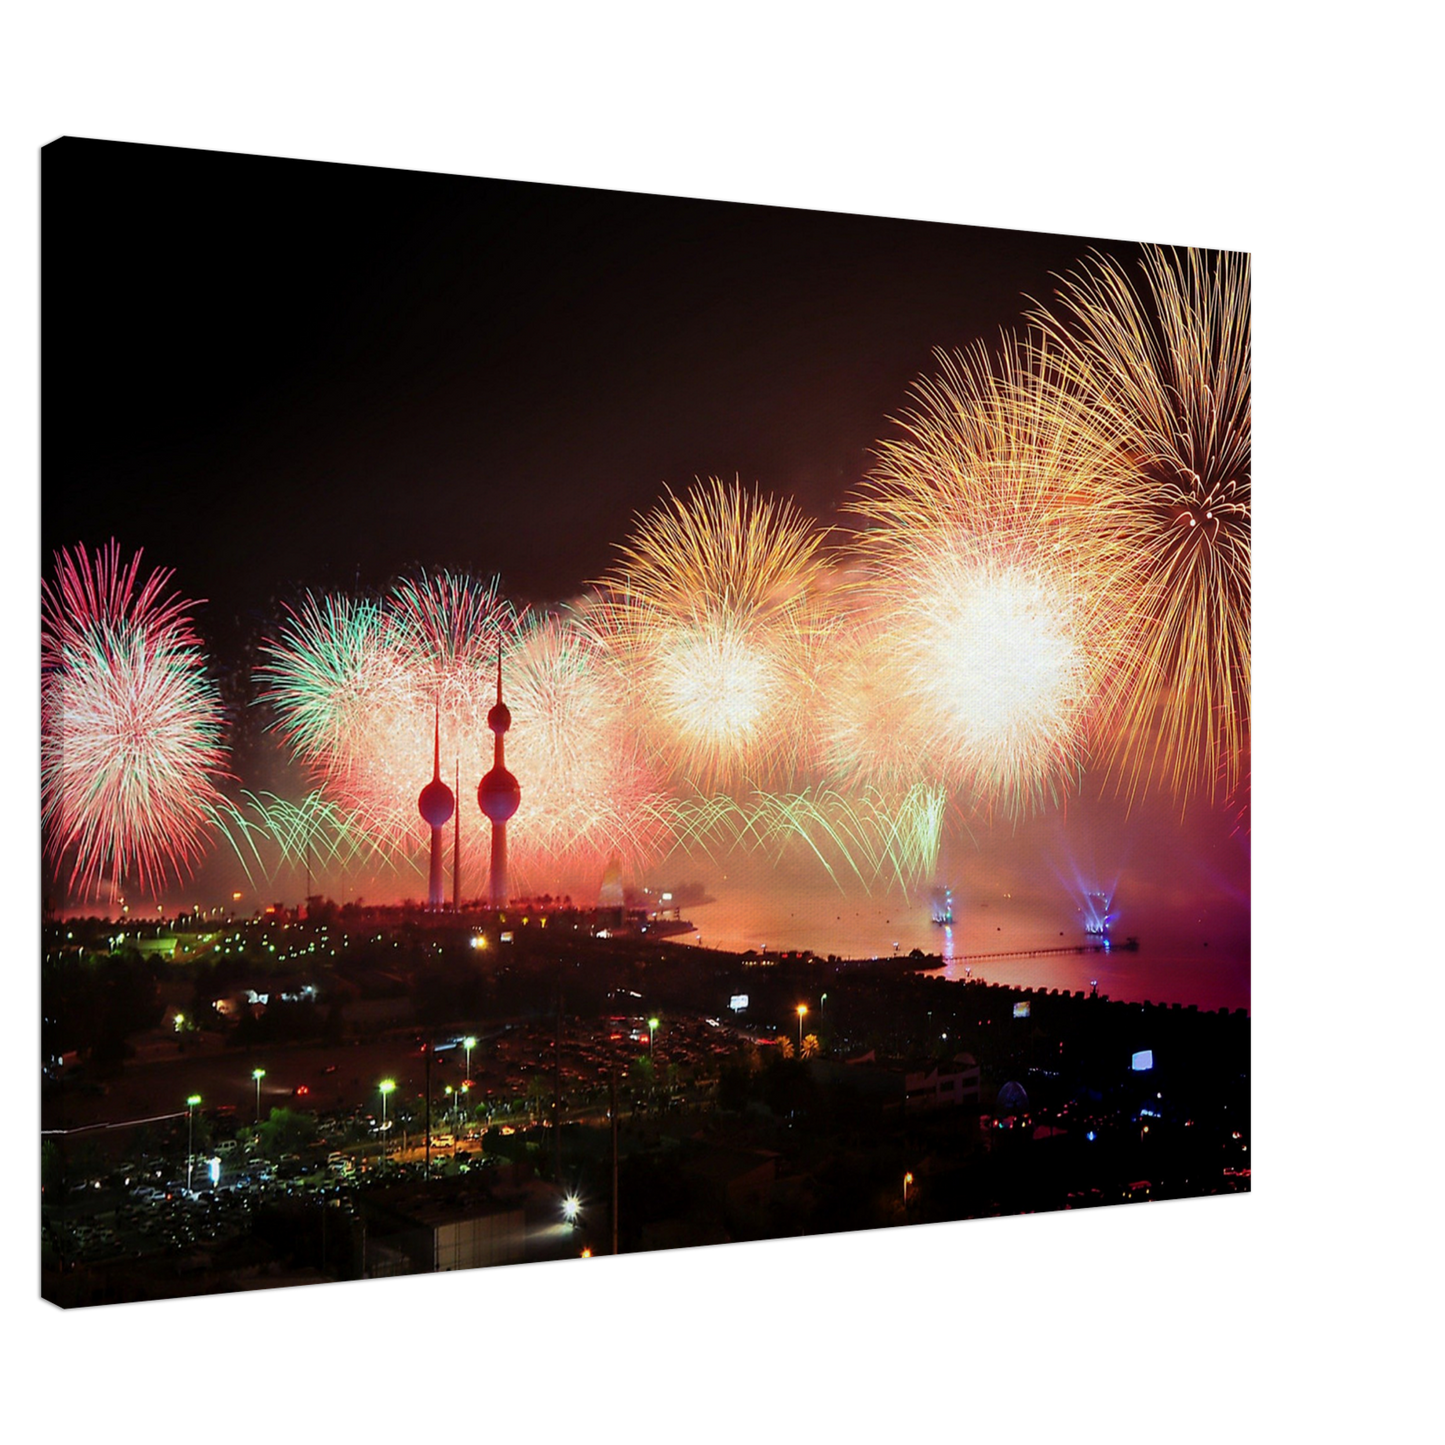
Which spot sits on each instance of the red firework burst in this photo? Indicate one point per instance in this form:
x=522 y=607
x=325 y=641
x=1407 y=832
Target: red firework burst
x=130 y=742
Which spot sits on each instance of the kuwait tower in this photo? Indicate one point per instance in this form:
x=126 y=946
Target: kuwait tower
x=436 y=803
x=499 y=793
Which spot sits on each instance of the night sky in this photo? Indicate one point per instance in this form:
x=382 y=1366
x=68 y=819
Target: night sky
x=276 y=375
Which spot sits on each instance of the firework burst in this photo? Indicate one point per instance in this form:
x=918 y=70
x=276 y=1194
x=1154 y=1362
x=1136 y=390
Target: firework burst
x=325 y=676
x=714 y=613
x=990 y=625
x=590 y=794
x=1162 y=375
x=445 y=628
x=130 y=749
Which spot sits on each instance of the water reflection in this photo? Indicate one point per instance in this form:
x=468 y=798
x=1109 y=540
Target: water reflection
x=1021 y=942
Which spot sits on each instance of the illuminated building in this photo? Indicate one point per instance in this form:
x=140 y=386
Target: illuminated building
x=499 y=794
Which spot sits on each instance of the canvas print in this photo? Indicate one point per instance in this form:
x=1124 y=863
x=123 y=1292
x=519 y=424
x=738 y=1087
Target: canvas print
x=575 y=723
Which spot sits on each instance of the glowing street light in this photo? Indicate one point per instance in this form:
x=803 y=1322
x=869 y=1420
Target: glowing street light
x=571 y=1206
x=191 y=1103
x=907 y=1180
x=802 y=1014
x=651 y=1029
x=258 y=1075
x=469 y=1043
x=386 y=1086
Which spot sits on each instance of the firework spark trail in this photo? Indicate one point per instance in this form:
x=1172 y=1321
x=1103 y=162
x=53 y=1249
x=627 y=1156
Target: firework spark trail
x=714 y=612
x=245 y=837
x=130 y=725
x=1162 y=374
x=878 y=838
x=911 y=830
x=313 y=831
x=721 y=826
x=868 y=835
x=988 y=547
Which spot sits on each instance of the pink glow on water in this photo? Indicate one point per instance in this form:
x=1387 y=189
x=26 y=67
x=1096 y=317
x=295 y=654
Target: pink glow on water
x=1182 y=889
x=1210 y=970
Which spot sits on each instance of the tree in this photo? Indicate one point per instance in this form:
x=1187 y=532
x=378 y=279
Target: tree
x=811 y=1047
x=285 y=1131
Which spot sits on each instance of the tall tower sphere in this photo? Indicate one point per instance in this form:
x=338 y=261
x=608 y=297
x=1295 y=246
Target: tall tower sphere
x=436 y=803
x=499 y=794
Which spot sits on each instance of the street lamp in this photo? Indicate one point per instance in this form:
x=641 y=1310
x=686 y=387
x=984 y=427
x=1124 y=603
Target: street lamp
x=258 y=1075
x=191 y=1103
x=651 y=1029
x=387 y=1086
x=571 y=1205
x=469 y=1043
x=802 y=1013
x=907 y=1180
